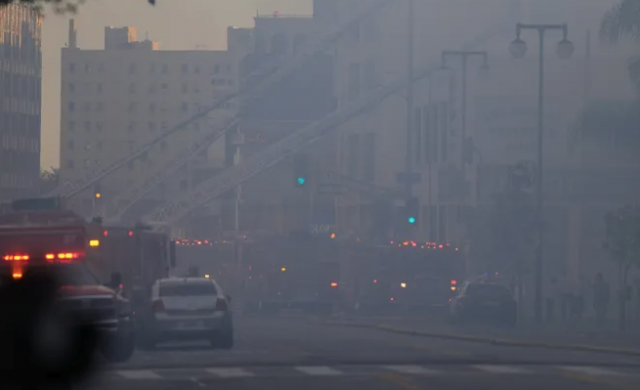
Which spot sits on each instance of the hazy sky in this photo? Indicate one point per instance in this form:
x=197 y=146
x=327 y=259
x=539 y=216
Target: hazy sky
x=176 y=24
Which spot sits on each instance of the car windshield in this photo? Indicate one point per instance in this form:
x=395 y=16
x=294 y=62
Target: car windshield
x=179 y=289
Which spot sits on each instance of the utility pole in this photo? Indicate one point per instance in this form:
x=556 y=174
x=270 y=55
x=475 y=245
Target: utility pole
x=410 y=97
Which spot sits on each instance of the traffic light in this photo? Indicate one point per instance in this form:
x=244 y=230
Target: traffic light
x=412 y=211
x=467 y=150
x=301 y=170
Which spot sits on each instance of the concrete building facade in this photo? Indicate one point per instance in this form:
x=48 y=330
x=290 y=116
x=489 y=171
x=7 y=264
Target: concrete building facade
x=20 y=100
x=118 y=99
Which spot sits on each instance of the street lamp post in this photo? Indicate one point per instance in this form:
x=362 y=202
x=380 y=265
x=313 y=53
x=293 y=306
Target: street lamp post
x=518 y=49
x=464 y=57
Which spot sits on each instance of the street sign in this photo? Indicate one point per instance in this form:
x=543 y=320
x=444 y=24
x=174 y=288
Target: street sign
x=331 y=189
x=321 y=228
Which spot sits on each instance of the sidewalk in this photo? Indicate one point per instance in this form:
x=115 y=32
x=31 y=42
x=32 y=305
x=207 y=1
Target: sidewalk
x=583 y=333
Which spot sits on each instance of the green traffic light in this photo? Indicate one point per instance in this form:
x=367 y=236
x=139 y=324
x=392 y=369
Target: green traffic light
x=301 y=180
x=412 y=220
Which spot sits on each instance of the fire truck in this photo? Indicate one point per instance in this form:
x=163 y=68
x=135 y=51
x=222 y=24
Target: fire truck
x=408 y=276
x=37 y=233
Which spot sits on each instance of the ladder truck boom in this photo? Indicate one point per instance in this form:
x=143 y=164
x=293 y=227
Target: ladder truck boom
x=117 y=208
x=248 y=85
x=218 y=184
x=208 y=190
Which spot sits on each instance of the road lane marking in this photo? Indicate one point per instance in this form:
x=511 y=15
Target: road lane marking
x=400 y=381
x=415 y=370
x=318 y=370
x=592 y=371
x=502 y=369
x=229 y=372
x=139 y=374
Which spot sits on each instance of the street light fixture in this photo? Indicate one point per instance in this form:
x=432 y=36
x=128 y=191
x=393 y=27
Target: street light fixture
x=564 y=50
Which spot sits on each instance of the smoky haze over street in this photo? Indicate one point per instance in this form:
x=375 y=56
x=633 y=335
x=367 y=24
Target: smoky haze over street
x=391 y=194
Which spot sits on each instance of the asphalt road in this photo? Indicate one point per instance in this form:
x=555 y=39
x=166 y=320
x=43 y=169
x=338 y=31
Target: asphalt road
x=291 y=354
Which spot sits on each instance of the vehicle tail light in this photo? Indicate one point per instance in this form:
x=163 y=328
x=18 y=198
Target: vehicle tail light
x=221 y=304
x=157 y=306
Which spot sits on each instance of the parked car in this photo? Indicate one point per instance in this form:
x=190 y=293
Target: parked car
x=483 y=302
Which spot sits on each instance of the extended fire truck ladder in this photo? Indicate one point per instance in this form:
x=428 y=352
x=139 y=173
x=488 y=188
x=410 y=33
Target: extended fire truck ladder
x=208 y=190
x=255 y=84
x=115 y=209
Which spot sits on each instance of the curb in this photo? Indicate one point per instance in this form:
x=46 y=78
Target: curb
x=492 y=340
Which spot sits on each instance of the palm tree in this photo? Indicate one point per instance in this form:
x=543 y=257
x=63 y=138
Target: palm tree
x=623 y=22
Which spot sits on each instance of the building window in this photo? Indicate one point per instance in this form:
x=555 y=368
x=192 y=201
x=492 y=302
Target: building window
x=216 y=69
x=99 y=145
x=70 y=164
x=87 y=107
x=152 y=68
x=152 y=88
x=87 y=163
x=132 y=107
x=99 y=126
x=163 y=145
x=132 y=127
x=72 y=68
x=185 y=68
x=164 y=86
x=185 y=106
x=228 y=68
x=71 y=106
x=100 y=67
x=165 y=68
x=185 y=88
x=132 y=88
x=152 y=126
x=71 y=144
x=196 y=70
x=99 y=106
x=152 y=107
x=132 y=69
x=71 y=126
x=72 y=87
x=87 y=68
x=87 y=147
x=353 y=81
x=99 y=87
x=87 y=126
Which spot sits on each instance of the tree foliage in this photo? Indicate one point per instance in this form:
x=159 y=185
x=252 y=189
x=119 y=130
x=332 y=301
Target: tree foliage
x=623 y=22
x=58 y=5
x=49 y=180
x=622 y=236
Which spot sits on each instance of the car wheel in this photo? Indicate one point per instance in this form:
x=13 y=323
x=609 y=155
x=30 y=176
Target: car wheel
x=118 y=349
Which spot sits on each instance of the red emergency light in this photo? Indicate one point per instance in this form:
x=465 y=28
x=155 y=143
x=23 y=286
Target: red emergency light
x=454 y=282
x=16 y=257
x=50 y=257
